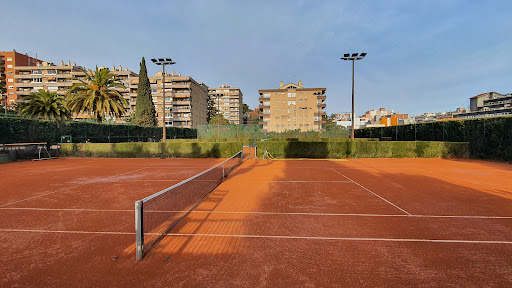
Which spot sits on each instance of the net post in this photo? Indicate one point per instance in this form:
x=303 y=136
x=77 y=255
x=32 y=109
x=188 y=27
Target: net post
x=139 y=236
x=223 y=172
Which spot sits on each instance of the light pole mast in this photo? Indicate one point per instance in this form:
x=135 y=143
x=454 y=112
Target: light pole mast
x=353 y=57
x=163 y=62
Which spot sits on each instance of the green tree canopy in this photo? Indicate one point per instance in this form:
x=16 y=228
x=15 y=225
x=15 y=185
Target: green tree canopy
x=45 y=105
x=245 y=108
x=219 y=119
x=97 y=94
x=145 y=113
x=212 y=110
x=2 y=96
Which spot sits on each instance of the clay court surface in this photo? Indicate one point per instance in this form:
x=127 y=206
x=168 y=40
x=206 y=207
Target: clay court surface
x=281 y=223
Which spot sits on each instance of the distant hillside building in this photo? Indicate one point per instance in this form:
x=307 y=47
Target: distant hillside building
x=9 y=60
x=393 y=119
x=228 y=101
x=375 y=115
x=491 y=104
x=292 y=107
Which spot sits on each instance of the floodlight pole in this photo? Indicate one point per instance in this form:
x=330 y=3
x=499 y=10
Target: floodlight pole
x=353 y=57
x=163 y=62
x=164 y=136
x=353 y=116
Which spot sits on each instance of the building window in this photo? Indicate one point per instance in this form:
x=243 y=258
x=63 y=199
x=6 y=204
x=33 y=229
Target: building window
x=153 y=90
x=37 y=80
x=266 y=103
x=37 y=72
x=10 y=87
x=51 y=72
x=10 y=80
x=53 y=89
x=9 y=59
x=9 y=65
x=266 y=95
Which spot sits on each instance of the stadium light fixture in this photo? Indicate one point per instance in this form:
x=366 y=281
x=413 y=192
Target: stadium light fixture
x=354 y=57
x=163 y=62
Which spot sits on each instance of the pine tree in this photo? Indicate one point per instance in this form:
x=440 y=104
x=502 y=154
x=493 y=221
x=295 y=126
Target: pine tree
x=145 y=113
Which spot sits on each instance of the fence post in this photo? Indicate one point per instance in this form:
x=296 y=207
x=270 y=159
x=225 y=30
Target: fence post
x=139 y=234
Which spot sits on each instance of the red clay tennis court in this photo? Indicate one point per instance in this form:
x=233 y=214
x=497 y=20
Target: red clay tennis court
x=281 y=223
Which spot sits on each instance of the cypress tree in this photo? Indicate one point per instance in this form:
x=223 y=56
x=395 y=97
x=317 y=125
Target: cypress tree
x=145 y=113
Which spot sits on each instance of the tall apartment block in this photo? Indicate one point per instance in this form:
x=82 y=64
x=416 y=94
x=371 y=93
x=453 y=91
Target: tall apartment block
x=9 y=60
x=186 y=100
x=228 y=101
x=292 y=107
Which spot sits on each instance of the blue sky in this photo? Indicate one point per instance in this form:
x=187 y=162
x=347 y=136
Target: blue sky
x=423 y=56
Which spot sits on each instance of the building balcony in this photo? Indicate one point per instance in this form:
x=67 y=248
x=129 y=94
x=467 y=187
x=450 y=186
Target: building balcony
x=322 y=97
x=23 y=93
x=321 y=105
x=186 y=110
x=174 y=118
x=26 y=76
x=28 y=84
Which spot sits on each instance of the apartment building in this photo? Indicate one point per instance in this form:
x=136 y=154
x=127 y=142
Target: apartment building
x=186 y=100
x=45 y=76
x=491 y=104
x=57 y=78
x=126 y=77
x=292 y=107
x=9 y=60
x=228 y=101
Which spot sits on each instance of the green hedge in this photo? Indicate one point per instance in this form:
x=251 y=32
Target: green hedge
x=363 y=149
x=488 y=138
x=22 y=130
x=172 y=149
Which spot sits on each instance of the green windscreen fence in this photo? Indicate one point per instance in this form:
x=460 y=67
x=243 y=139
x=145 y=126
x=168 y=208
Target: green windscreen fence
x=253 y=131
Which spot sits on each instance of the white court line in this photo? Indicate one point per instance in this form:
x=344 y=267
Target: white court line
x=292 y=181
x=65 y=209
x=270 y=236
x=67 y=188
x=373 y=193
x=263 y=213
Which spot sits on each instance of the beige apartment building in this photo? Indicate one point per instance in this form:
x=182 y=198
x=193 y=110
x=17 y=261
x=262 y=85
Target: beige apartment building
x=186 y=100
x=292 y=107
x=228 y=101
x=44 y=76
x=57 y=78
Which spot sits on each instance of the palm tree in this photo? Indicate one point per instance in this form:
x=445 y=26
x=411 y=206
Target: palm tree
x=2 y=91
x=45 y=105
x=96 y=94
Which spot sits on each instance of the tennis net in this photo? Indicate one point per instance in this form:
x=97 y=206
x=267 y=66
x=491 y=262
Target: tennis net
x=157 y=214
